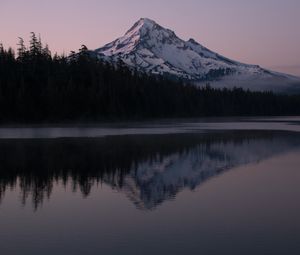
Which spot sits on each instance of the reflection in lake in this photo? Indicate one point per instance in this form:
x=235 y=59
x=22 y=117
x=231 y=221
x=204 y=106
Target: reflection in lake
x=148 y=169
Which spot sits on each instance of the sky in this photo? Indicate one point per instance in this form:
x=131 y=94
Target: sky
x=263 y=32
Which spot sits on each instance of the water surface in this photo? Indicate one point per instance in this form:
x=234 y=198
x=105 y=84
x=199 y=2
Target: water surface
x=171 y=188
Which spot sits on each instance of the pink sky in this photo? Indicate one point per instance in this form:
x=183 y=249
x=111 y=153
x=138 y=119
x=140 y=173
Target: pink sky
x=264 y=32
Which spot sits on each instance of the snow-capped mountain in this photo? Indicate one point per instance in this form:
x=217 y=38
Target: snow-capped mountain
x=150 y=48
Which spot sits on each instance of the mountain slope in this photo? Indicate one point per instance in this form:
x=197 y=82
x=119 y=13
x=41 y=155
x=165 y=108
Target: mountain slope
x=150 y=48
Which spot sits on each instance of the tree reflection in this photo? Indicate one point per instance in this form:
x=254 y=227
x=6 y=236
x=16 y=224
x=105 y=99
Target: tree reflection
x=148 y=169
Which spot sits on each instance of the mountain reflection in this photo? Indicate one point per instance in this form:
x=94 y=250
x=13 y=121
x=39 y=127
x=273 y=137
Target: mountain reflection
x=148 y=169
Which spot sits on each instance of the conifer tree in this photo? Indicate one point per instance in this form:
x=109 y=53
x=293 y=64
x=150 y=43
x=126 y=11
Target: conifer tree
x=34 y=45
x=21 y=49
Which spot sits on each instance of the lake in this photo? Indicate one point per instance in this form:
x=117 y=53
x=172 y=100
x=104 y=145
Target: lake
x=206 y=186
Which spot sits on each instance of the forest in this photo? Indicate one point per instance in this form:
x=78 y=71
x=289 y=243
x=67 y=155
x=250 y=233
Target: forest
x=39 y=87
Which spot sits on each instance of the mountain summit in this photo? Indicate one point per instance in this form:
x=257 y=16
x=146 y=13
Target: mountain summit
x=150 y=48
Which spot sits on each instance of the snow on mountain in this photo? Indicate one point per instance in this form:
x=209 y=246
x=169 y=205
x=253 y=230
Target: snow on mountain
x=150 y=48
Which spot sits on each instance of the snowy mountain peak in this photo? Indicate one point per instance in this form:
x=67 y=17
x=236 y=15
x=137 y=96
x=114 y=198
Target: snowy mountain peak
x=153 y=49
x=145 y=31
x=143 y=25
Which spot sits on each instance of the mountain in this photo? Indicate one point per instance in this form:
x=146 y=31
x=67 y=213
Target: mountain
x=150 y=48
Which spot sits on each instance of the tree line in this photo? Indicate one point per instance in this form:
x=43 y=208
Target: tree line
x=37 y=87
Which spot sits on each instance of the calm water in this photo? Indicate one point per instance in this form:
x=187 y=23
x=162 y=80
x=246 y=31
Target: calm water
x=218 y=186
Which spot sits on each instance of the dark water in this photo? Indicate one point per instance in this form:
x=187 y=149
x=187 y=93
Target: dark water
x=185 y=192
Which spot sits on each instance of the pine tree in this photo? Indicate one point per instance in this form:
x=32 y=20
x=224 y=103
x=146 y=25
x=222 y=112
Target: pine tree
x=1 y=49
x=21 y=49
x=34 y=45
x=39 y=45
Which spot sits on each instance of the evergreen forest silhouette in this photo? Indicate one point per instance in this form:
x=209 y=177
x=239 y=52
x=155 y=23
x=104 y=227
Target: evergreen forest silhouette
x=38 y=87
